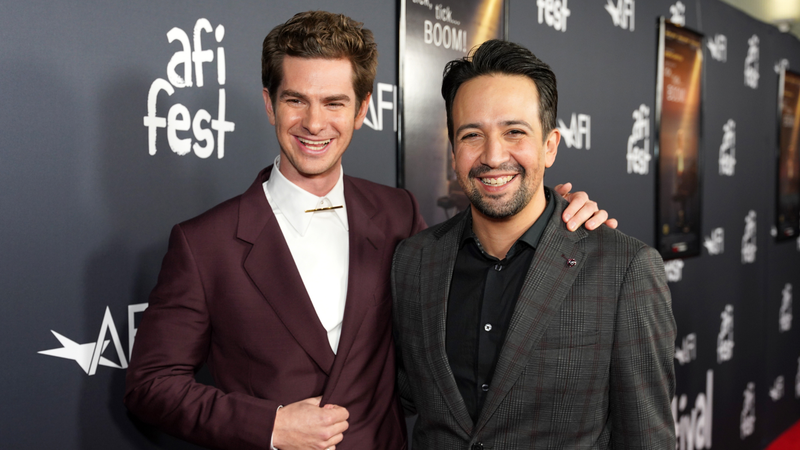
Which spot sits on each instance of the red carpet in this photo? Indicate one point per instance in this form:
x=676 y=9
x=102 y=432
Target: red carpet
x=789 y=440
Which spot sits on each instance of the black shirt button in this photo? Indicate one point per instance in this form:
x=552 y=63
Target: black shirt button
x=485 y=387
x=477 y=446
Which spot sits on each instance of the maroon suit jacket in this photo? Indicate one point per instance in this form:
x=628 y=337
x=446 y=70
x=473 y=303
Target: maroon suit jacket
x=229 y=295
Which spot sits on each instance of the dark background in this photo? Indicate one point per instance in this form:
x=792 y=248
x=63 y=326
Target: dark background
x=86 y=211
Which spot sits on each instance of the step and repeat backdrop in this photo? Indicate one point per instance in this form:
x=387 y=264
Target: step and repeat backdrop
x=122 y=119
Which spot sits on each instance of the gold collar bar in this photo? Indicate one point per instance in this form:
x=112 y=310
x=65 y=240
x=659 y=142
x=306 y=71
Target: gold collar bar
x=327 y=208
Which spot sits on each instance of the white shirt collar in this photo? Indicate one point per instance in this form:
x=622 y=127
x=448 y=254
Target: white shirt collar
x=292 y=201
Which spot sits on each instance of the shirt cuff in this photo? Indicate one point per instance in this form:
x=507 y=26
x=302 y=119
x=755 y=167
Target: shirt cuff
x=272 y=447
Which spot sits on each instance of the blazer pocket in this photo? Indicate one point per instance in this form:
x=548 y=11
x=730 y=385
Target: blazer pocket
x=570 y=340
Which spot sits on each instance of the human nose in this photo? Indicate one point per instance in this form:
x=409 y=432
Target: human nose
x=494 y=152
x=313 y=120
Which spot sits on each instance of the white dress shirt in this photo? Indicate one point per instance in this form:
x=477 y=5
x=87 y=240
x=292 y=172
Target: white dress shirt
x=319 y=244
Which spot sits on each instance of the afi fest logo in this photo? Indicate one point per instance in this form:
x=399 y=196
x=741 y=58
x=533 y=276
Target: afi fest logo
x=751 y=63
x=688 y=351
x=578 y=133
x=749 y=239
x=716 y=242
x=674 y=270
x=725 y=336
x=190 y=59
x=378 y=102
x=90 y=355
x=748 y=422
x=777 y=390
x=727 y=150
x=718 y=46
x=622 y=13
x=678 y=14
x=785 y=313
x=693 y=427
x=639 y=156
x=554 y=13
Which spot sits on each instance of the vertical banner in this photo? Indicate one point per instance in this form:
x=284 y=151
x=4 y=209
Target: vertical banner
x=678 y=94
x=787 y=219
x=431 y=35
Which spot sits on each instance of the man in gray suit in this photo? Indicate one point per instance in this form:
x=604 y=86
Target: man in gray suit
x=512 y=332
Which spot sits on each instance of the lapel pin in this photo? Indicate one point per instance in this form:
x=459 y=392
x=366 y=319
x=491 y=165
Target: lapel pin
x=570 y=261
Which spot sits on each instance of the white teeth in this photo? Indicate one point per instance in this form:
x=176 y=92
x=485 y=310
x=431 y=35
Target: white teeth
x=499 y=181
x=314 y=145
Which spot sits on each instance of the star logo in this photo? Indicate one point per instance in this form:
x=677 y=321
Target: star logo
x=678 y=11
x=90 y=355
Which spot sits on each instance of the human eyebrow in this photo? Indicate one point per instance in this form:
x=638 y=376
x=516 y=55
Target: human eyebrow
x=467 y=126
x=293 y=94
x=343 y=98
x=511 y=123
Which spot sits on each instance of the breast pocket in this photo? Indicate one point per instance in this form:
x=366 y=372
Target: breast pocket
x=558 y=339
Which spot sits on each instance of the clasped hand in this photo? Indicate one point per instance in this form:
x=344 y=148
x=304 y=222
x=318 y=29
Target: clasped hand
x=306 y=425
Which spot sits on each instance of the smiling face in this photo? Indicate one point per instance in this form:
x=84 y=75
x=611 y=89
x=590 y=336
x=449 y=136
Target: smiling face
x=499 y=151
x=315 y=114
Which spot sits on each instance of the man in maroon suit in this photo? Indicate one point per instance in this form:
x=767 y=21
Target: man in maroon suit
x=284 y=290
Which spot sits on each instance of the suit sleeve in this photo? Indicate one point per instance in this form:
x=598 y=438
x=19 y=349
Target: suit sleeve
x=642 y=381
x=172 y=343
x=403 y=386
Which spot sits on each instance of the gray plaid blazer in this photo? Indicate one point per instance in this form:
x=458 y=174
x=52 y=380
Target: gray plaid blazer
x=588 y=358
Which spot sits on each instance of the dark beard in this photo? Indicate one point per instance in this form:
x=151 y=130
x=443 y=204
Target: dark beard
x=482 y=203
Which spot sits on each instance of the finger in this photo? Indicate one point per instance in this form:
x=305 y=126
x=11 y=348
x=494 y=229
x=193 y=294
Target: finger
x=338 y=428
x=577 y=201
x=596 y=220
x=338 y=413
x=582 y=215
x=313 y=400
x=563 y=189
x=331 y=443
x=612 y=223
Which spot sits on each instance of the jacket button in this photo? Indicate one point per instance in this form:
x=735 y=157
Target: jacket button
x=477 y=446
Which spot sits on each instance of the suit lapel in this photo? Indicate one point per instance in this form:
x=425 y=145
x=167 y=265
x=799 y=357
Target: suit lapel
x=436 y=275
x=547 y=283
x=268 y=265
x=367 y=242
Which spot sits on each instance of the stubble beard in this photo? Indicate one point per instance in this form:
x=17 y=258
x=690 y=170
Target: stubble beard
x=490 y=205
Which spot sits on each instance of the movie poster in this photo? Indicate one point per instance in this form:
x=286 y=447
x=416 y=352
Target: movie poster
x=432 y=33
x=788 y=207
x=678 y=94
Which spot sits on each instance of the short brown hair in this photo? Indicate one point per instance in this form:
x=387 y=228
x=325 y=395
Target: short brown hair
x=320 y=34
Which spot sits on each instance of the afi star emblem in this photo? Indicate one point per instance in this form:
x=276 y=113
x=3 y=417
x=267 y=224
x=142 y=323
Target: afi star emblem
x=678 y=11
x=90 y=355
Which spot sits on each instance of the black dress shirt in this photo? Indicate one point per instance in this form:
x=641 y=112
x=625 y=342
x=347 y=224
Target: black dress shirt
x=483 y=294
